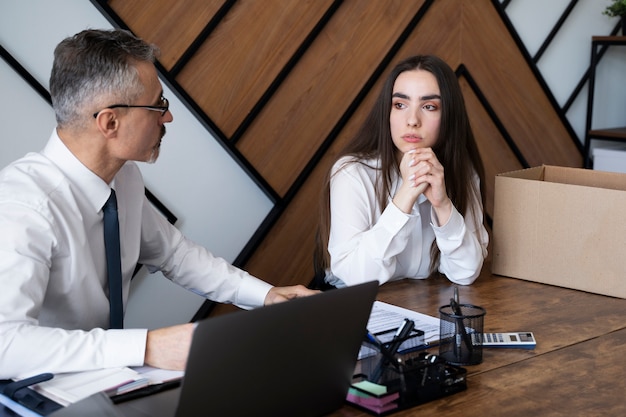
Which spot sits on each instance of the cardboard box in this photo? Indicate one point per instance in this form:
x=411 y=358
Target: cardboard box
x=562 y=226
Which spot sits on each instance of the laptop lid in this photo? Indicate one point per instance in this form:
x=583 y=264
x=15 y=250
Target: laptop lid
x=292 y=358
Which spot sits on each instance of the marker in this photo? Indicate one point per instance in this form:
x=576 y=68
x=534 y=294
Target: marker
x=403 y=332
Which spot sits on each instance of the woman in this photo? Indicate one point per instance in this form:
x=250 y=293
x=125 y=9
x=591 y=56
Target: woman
x=405 y=198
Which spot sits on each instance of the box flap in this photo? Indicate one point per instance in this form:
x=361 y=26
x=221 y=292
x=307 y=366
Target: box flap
x=585 y=177
x=527 y=173
x=573 y=176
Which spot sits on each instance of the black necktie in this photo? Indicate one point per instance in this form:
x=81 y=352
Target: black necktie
x=114 y=263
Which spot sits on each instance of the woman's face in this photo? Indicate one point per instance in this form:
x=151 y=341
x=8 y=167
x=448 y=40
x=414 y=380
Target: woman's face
x=415 y=111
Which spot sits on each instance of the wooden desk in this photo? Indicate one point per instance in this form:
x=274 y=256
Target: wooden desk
x=577 y=368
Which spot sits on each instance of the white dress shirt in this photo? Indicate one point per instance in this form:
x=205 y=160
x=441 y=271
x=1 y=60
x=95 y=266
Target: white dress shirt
x=367 y=243
x=54 y=308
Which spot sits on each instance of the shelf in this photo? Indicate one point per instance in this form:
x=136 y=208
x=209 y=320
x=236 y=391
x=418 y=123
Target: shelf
x=609 y=40
x=617 y=133
x=613 y=134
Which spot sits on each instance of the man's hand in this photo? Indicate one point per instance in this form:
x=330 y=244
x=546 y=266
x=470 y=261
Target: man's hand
x=168 y=348
x=280 y=294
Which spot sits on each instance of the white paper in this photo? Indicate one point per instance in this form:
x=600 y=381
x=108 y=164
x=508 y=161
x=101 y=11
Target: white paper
x=157 y=375
x=69 y=388
x=388 y=317
x=72 y=387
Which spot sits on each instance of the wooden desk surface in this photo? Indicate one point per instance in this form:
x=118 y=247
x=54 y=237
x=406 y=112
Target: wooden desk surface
x=577 y=368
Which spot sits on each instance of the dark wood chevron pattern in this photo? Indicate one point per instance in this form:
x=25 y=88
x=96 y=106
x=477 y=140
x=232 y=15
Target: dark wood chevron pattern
x=284 y=83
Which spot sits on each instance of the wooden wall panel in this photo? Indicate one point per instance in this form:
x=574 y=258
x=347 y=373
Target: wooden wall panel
x=312 y=99
x=274 y=260
x=242 y=57
x=426 y=38
x=438 y=33
x=249 y=48
x=494 y=151
x=172 y=25
x=303 y=212
x=299 y=221
x=491 y=55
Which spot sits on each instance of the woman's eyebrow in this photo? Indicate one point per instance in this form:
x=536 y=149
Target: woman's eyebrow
x=423 y=98
x=400 y=95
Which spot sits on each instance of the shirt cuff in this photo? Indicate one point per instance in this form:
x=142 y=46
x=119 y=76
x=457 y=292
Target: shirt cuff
x=125 y=347
x=252 y=293
x=453 y=227
x=394 y=219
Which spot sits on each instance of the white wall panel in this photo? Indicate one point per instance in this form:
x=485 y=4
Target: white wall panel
x=217 y=204
x=567 y=58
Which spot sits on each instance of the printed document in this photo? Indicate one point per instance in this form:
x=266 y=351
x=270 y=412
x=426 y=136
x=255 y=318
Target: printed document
x=387 y=317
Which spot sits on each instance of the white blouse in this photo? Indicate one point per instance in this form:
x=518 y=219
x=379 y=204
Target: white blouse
x=367 y=243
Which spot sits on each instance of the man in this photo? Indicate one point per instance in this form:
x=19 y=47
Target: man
x=54 y=297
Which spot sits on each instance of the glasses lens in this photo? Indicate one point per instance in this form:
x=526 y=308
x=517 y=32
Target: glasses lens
x=165 y=103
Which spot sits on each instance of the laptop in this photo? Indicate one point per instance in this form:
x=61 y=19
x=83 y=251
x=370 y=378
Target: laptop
x=295 y=358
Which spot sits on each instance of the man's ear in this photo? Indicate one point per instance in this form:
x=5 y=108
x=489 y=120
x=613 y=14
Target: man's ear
x=107 y=123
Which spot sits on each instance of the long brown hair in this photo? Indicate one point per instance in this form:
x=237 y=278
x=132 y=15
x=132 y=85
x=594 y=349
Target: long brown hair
x=455 y=148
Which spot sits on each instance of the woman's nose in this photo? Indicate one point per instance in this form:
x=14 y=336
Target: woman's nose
x=413 y=119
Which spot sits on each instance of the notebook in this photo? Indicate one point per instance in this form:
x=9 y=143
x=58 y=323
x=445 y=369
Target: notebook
x=295 y=358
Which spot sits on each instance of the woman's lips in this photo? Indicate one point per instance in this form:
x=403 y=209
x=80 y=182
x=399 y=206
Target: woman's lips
x=412 y=138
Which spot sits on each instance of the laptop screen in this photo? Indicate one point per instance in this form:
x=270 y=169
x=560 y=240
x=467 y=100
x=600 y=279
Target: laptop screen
x=292 y=358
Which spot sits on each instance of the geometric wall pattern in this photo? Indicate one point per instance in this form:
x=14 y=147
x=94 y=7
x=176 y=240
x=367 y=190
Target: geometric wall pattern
x=284 y=84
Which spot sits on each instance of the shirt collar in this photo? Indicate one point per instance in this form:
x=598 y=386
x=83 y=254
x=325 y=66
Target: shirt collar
x=86 y=182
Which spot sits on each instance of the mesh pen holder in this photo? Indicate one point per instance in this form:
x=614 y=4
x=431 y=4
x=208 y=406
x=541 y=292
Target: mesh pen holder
x=417 y=377
x=461 y=335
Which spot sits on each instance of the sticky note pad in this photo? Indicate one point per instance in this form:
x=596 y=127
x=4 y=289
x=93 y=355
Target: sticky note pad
x=371 y=387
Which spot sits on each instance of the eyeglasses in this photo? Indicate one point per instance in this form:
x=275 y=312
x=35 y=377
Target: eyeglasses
x=163 y=108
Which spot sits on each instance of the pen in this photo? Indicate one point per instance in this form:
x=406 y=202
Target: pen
x=116 y=389
x=145 y=391
x=383 y=349
x=403 y=332
x=373 y=339
x=131 y=386
x=468 y=342
x=387 y=358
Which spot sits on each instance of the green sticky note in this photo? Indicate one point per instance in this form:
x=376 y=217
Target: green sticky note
x=371 y=387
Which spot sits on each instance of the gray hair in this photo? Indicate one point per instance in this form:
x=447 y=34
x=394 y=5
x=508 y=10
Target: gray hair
x=94 y=69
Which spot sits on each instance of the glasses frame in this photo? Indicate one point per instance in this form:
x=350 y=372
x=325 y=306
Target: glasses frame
x=163 y=109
